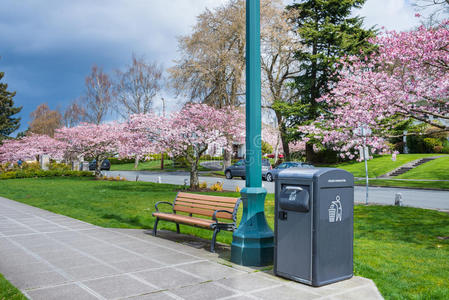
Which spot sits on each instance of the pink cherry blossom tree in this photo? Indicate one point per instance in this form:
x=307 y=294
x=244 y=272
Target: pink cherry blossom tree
x=30 y=147
x=233 y=128
x=142 y=135
x=298 y=146
x=187 y=133
x=407 y=79
x=272 y=136
x=191 y=131
x=90 y=140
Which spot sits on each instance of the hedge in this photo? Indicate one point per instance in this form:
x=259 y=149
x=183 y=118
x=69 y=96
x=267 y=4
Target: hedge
x=41 y=173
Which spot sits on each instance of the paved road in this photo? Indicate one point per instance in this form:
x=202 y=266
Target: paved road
x=214 y=165
x=411 y=197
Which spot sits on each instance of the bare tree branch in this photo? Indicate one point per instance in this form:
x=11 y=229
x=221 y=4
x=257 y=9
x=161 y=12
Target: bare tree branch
x=98 y=97
x=137 y=86
x=73 y=114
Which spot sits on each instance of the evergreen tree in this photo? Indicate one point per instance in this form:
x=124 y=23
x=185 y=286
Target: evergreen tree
x=328 y=32
x=8 y=124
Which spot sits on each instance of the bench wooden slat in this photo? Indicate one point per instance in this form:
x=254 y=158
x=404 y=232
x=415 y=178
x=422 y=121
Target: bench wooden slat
x=217 y=204
x=207 y=197
x=202 y=212
x=185 y=219
x=196 y=205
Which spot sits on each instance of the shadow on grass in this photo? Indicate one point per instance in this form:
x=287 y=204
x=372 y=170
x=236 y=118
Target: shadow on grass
x=147 y=187
x=132 y=221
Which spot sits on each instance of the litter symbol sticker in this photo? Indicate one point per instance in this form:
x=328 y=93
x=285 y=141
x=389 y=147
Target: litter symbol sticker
x=335 y=210
x=292 y=196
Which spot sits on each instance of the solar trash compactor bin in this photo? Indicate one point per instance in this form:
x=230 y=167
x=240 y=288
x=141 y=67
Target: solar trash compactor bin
x=314 y=225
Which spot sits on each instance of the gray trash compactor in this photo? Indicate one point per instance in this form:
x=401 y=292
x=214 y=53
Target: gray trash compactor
x=314 y=225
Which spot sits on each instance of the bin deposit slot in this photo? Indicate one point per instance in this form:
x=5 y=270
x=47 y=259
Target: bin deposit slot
x=295 y=198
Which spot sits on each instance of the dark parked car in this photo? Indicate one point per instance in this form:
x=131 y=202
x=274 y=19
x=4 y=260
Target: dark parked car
x=239 y=169
x=290 y=164
x=105 y=166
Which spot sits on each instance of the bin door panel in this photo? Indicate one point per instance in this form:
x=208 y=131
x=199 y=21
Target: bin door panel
x=294 y=244
x=334 y=242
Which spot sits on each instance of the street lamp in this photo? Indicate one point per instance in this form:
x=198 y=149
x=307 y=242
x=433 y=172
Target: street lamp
x=253 y=241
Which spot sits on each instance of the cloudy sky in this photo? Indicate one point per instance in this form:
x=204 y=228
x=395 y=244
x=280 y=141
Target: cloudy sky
x=47 y=47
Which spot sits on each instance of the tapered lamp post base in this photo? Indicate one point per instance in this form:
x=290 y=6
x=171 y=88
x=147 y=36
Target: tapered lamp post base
x=253 y=241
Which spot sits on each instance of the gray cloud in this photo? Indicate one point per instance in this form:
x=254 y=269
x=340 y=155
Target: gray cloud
x=48 y=46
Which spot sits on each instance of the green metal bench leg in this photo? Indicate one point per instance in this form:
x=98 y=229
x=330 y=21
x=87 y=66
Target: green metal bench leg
x=155 y=227
x=214 y=237
x=177 y=228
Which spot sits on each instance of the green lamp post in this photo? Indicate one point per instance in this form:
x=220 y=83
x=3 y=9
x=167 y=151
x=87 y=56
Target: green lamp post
x=253 y=241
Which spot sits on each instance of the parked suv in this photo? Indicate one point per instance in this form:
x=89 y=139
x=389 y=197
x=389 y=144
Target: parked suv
x=239 y=169
x=270 y=175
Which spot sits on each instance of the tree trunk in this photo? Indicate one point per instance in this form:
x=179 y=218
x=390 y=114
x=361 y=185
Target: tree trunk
x=98 y=167
x=162 y=160
x=314 y=95
x=136 y=162
x=227 y=159
x=194 y=181
x=284 y=136
x=276 y=150
x=286 y=149
x=310 y=154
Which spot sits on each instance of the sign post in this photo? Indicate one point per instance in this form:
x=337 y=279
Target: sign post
x=364 y=131
x=253 y=241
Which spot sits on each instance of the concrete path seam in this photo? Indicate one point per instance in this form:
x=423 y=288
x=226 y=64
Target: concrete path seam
x=58 y=270
x=23 y=292
x=345 y=292
x=131 y=274
x=61 y=272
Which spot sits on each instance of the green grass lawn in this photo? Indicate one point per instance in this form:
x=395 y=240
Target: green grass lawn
x=398 y=247
x=380 y=165
x=151 y=165
x=437 y=169
x=437 y=185
x=9 y=292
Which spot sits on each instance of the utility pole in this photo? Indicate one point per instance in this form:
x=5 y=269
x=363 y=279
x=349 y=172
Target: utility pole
x=253 y=241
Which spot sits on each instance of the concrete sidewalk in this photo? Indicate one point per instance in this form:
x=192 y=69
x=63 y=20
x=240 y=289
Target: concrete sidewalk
x=49 y=256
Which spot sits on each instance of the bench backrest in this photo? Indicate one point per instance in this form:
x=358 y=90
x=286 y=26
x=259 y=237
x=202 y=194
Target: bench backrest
x=205 y=205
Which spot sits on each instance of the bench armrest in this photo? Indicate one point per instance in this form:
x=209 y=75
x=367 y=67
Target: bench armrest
x=214 y=216
x=163 y=202
x=233 y=213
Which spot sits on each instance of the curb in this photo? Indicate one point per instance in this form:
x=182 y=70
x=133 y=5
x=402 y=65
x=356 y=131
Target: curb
x=405 y=187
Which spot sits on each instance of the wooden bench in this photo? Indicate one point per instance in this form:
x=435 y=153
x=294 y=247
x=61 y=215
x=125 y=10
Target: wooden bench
x=222 y=210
